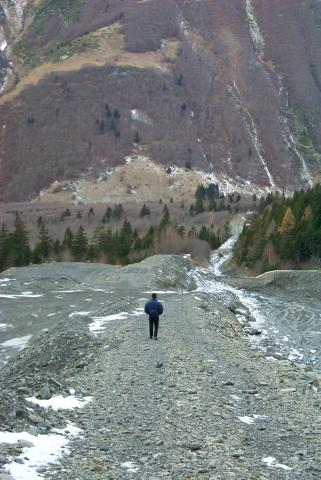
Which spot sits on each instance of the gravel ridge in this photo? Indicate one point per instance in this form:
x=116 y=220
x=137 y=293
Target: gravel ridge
x=198 y=403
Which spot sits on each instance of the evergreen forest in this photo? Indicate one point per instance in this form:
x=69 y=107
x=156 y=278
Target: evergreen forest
x=119 y=246
x=284 y=233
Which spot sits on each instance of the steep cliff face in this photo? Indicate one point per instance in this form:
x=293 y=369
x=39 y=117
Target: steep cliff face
x=231 y=88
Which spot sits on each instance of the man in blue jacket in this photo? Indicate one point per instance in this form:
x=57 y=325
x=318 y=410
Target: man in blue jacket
x=154 y=309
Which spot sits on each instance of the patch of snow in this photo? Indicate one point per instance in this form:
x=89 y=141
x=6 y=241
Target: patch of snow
x=99 y=322
x=235 y=397
x=44 y=449
x=130 y=467
x=61 y=403
x=67 y=291
x=273 y=359
x=271 y=462
x=5 y=326
x=252 y=419
x=18 y=342
x=23 y=295
x=51 y=314
x=137 y=312
x=161 y=291
x=140 y=116
x=3 y=45
x=295 y=355
x=80 y=314
x=103 y=176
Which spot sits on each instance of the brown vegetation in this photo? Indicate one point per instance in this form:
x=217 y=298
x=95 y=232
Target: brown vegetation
x=192 y=67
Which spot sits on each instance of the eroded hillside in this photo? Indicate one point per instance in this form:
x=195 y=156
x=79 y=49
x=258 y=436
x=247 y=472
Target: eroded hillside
x=230 y=88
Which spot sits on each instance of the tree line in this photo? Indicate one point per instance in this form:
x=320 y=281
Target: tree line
x=120 y=246
x=285 y=231
x=209 y=198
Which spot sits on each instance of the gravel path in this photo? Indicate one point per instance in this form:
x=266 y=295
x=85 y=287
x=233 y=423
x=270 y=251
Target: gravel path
x=171 y=408
x=198 y=403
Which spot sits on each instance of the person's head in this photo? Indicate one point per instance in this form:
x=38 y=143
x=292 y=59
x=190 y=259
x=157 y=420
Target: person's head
x=154 y=296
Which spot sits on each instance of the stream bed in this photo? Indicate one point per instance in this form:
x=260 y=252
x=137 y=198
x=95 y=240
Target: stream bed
x=285 y=322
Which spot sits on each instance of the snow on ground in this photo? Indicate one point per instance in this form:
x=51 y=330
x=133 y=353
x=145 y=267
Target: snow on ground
x=130 y=467
x=5 y=326
x=271 y=462
x=68 y=291
x=79 y=314
x=61 y=403
x=39 y=451
x=295 y=355
x=23 y=295
x=249 y=420
x=98 y=323
x=18 y=342
x=161 y=292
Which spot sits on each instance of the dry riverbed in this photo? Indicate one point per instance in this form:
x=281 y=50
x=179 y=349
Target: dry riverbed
x=199 y=403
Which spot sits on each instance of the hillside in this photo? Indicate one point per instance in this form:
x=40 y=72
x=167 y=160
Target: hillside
x=228 y=88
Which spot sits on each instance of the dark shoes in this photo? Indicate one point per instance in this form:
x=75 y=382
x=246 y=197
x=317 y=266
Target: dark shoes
x=155 y=338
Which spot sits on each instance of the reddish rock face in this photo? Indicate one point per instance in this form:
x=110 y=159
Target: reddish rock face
x=241 y=94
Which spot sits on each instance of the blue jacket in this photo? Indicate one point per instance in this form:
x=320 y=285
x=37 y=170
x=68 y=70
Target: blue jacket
x=153 y=308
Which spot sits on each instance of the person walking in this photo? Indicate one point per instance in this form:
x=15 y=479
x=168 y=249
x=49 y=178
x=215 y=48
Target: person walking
x=154 y=309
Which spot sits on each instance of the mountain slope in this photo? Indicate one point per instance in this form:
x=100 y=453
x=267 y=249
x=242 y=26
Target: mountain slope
x=230 y=88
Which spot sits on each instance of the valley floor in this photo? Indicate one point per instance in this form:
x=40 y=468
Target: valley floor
x=198 y=403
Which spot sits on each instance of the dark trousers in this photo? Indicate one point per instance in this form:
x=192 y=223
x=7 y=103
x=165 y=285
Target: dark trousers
x=153 y=325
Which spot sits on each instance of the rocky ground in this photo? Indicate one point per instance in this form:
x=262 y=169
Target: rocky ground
x=198 y=403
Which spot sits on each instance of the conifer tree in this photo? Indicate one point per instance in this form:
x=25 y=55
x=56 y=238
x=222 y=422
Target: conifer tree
x=200 y=193
x=91 y=213
x=180 y=229
x=20 y=251
x=118 y=211
x=43 y=247
x=199 y=206
x=56 y=248
x=144 y=211
x=165 y=218
x=4 y=247
x=107 y=215
x=125 y=241
x=68 y=239
x=80 y=245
